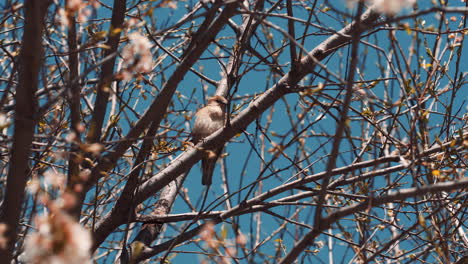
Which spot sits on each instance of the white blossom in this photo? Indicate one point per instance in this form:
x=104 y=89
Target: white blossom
x=54 y=178
x=389 y=7
x=137 y=55
x=58 y=239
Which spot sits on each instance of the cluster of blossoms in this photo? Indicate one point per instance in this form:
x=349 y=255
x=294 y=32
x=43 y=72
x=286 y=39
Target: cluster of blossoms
x=136 y=56
x=208 y=234
x=81 y=8
x=58 y=239
x=389 y=7
x=169 y=3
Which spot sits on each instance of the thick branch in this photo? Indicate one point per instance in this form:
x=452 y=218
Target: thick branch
x=25 y=121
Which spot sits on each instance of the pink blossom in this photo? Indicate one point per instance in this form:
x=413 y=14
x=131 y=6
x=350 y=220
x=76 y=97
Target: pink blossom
x=63 y=18
x=58 y=239
x=54 y=179
x=389 y=7
x=137 y=55
x=241 y=240
x=74 y=5
x=33 y=186
x=81 y=8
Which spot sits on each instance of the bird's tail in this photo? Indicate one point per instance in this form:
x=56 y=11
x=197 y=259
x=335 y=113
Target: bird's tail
x=208 y=166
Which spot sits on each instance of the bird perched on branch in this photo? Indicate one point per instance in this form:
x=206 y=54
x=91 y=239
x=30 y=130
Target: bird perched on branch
x=209 y=119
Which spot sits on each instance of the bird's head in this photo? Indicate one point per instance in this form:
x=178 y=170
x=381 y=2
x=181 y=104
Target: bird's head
x=217 y=99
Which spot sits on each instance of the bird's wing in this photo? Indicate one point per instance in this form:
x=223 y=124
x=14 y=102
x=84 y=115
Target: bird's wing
x=199 y=126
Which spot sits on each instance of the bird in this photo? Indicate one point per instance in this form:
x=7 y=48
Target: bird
x=209 y=119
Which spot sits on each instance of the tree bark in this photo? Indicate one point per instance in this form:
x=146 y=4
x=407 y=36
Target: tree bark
x=25 y=121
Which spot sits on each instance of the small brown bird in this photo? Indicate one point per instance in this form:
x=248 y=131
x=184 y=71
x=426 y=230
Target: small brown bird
x=209 y=119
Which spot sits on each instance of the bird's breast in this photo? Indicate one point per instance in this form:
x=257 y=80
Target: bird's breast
x=209 y=119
